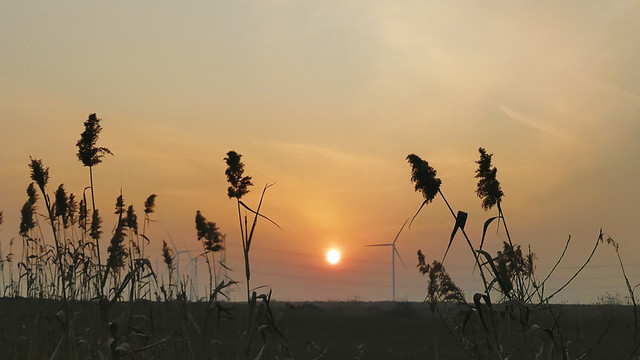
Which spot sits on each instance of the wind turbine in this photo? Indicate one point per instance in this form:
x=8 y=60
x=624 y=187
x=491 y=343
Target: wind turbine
x=394 y=252
x=193 y=289
x=177 y=255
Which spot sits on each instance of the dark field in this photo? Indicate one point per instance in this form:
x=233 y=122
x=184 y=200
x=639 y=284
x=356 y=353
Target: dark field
x=32 y=329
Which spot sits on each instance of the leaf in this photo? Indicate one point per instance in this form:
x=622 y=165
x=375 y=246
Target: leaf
x=461 y=220
x=496 y=274
x=477 y=297
x=417 y=212
x=484 y=230
x=258 y=214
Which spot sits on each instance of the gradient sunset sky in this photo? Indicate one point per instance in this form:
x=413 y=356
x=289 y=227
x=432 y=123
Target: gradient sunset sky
x=327 y=98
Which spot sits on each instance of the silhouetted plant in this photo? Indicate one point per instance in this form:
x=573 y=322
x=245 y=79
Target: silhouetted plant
x=61 y=205
x=149 y=208
x=40 y=174
x=488 y=185
x=211 y=238
x=511 y=272
x=424 y=178
x=235 y=170
x=440 y=286
x=631 y=292
x=95 y=231
x=514 y=267
x=240 y=187
x=167 y=257
x=27 y=224
x=116 y=250
x=90 y=155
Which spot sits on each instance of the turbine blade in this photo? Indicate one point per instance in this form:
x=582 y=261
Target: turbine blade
x=399 y=257
x=172 y=243
x=405 y=223
x=380 y=245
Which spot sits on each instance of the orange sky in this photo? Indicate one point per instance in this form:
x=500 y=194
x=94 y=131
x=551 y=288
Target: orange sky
x=327 y=99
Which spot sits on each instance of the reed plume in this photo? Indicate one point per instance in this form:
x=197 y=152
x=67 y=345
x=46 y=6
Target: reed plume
x=488 y=185
x=424 y=178
x=239 y=185
x=212 y=242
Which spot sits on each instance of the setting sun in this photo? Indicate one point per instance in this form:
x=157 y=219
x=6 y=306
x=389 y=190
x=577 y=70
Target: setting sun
x=333 y=256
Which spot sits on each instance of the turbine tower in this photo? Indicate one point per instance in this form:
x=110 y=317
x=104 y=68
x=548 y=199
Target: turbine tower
x=193 y=288
x=394 y=252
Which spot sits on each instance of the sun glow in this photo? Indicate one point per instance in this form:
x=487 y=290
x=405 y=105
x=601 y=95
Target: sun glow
x=333 y=256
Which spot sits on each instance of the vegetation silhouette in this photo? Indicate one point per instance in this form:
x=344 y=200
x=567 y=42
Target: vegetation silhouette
x=483 y=327
x=69 y=305
x=90 y=155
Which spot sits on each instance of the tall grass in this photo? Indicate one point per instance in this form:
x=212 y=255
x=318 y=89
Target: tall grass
x=65 y=265
x=513 y=317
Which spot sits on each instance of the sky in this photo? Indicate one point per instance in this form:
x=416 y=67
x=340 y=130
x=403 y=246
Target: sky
x=326 y=100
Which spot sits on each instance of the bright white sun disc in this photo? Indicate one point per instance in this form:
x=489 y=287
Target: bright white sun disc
x=333 y=256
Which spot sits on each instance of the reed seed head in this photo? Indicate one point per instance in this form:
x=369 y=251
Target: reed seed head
x=424 y=177
x=61 y=206
x=167 y=256
x=39 y=173
x=132 y=220
x=441 y=287
x=26 y=218
x=488 y=185
x=119 y=205
x=72 y=208
x=88 y=153
x=117 y=251
x=208 y=231
x=235 y=169
x=150 y=204
x=82 y=214
x=32 y=194
x=96 y=222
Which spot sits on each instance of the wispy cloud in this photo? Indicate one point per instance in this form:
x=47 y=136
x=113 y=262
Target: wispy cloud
x=533 y=123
